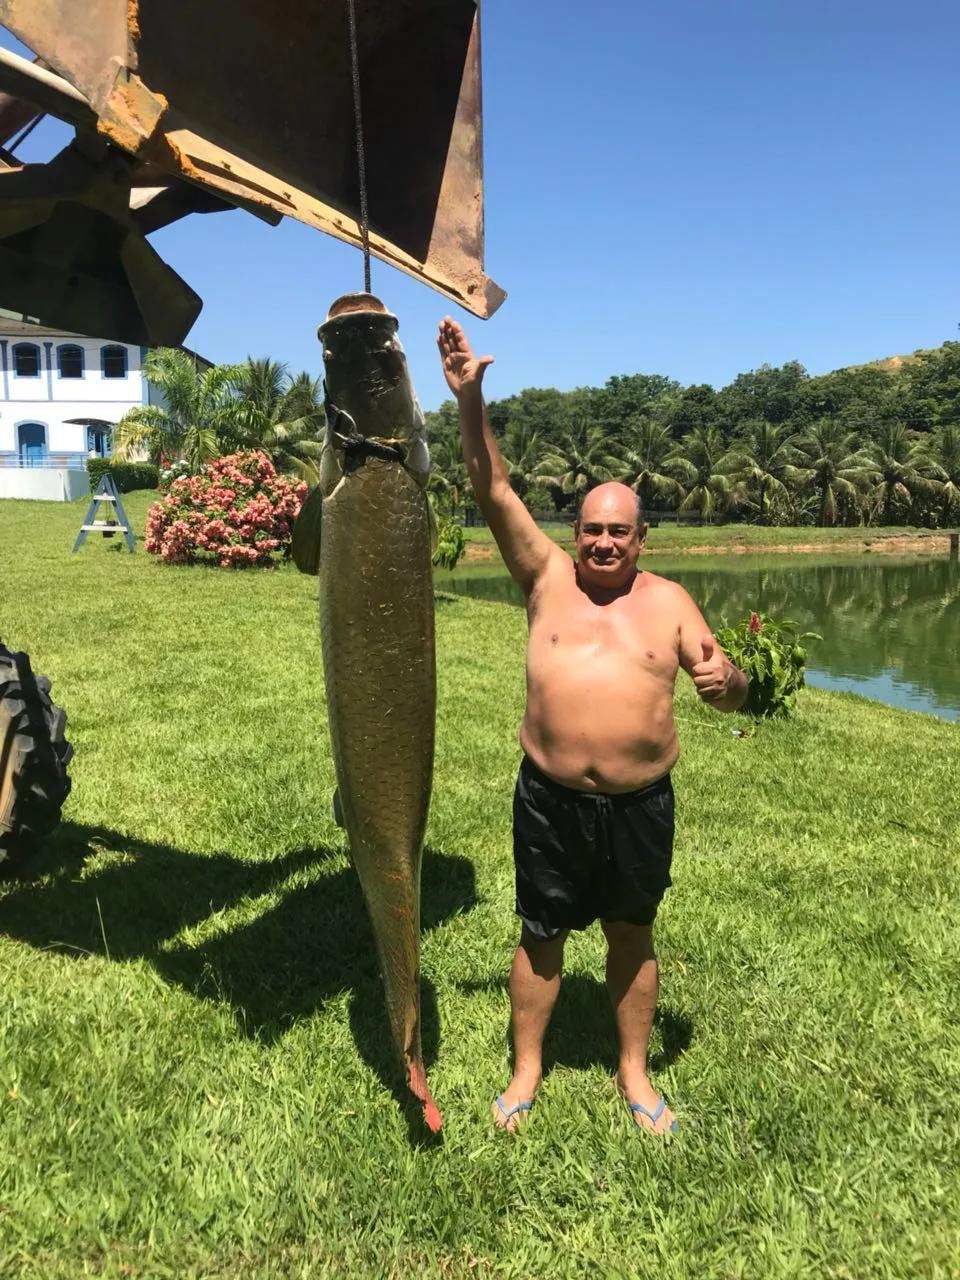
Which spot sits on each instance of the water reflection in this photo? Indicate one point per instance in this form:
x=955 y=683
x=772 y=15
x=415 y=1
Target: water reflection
x=487 y=585
x=890 y=627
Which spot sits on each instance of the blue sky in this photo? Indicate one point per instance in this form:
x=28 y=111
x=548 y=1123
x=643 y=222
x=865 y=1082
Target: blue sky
x=693 y=188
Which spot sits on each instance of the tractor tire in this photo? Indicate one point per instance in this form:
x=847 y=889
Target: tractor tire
x=34 y=755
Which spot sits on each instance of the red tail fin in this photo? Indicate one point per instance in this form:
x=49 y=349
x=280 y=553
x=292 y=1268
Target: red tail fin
x=417 y=1079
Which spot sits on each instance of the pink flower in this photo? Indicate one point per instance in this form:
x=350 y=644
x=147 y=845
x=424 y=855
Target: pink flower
x=237 y=512
x=754 y=622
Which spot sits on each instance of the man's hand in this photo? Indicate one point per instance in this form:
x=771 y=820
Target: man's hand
x=462 y=369
x=717 y=680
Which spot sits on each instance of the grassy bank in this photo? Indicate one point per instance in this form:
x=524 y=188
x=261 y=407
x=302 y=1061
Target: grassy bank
x=194 y=1074
x=676 y=539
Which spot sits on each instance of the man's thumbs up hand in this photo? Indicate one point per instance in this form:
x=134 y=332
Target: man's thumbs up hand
x=711 y=674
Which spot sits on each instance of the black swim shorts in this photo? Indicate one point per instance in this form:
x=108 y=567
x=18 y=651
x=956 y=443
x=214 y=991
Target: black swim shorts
x=581 y=856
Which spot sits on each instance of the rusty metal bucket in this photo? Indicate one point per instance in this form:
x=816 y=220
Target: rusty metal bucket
x=251 y=104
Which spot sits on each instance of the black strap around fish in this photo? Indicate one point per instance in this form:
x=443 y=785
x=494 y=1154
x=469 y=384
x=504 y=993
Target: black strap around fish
x=357 y=448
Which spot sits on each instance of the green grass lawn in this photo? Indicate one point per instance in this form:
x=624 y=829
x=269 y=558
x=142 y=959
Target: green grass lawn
x=732 y=537
x=195 y=1075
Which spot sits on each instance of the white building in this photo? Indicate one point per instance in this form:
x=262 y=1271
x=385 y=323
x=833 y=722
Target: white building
x=60 y=396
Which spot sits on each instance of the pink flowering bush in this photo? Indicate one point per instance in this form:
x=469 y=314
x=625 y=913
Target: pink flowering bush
x=238 y=511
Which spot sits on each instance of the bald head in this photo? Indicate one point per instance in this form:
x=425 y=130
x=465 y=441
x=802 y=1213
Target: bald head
x=610 y=497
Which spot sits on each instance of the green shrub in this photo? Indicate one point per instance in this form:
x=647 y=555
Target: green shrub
x=451 y=544
x=135 y=475
x=772 y=657
x=539 y=503
x=126 y=475
x=95 y=469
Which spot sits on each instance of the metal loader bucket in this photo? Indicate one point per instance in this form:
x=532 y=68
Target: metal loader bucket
x=251 y=104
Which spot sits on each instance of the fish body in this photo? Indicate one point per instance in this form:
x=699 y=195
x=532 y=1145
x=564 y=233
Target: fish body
x=377 y=633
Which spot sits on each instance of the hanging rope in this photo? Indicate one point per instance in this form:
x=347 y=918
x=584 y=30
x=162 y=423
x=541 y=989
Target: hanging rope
x=361 y=160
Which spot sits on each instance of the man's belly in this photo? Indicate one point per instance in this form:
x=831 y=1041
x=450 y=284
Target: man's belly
x=601 y=738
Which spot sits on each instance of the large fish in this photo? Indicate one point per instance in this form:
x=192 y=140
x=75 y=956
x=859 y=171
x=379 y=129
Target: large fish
x=367 y=529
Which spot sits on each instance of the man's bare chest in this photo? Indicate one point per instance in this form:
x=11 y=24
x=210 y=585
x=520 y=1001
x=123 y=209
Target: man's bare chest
x=570 y=627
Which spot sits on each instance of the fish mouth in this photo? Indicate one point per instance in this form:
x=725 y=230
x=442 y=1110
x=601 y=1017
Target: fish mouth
x=354 y=314
x=349 y=302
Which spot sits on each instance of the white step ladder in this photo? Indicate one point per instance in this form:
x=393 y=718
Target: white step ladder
x=106 y=492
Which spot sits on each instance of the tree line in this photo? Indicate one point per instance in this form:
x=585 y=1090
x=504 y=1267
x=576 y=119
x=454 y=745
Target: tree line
x=876 y=443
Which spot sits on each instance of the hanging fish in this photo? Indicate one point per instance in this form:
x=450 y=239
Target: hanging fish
x=377 y=633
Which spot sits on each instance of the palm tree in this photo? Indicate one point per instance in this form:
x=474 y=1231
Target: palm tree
x=647 y=445
x=839 y=470
x=905 y=471
x=281 y=414
x=448 y=473
x=522 y=450
x=698 y=462
x=578 y=460
x=199 y=410
x=946 y=453
x=765 y=459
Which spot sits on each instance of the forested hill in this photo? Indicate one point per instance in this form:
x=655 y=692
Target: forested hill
x=857 y=443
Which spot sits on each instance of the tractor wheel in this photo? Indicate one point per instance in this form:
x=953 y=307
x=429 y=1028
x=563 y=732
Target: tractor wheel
x=33 y=760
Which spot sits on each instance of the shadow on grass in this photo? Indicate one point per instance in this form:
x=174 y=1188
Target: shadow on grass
x=274 y=969
x=582 y=1032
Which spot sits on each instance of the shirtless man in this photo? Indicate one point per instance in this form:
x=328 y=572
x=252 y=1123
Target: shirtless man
x=593 y=808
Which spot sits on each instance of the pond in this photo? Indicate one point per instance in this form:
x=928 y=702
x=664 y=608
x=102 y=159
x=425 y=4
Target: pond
x=890 y=627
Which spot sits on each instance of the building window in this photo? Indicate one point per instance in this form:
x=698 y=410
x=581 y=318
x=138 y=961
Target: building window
x=114 y=362
x=31 y=443
x=26 y=360
x=70 y=361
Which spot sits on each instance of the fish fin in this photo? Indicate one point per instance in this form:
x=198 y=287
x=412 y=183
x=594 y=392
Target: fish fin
x=338 y=809
x=417 y=460
x=305 y=544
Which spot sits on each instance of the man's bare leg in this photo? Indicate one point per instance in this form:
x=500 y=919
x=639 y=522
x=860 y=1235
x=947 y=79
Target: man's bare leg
x=632 y=985
x=534 y=987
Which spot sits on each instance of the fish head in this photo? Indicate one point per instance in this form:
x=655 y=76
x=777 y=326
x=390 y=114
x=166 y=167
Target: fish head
x=366 y=377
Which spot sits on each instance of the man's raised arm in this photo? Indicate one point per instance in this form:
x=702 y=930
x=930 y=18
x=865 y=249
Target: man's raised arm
x=525 y=547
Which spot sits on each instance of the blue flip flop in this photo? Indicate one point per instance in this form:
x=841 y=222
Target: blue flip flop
x=652 y=1116
x=508 y=1115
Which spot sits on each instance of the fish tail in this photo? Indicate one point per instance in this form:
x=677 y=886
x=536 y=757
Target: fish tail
x=395 y=917
x=417 y=1080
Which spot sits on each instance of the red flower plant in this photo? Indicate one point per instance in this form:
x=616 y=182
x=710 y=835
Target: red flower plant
x=754 y=622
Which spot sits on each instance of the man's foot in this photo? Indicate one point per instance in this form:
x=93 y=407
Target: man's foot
x=648 y=1109
x=513 y=1105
